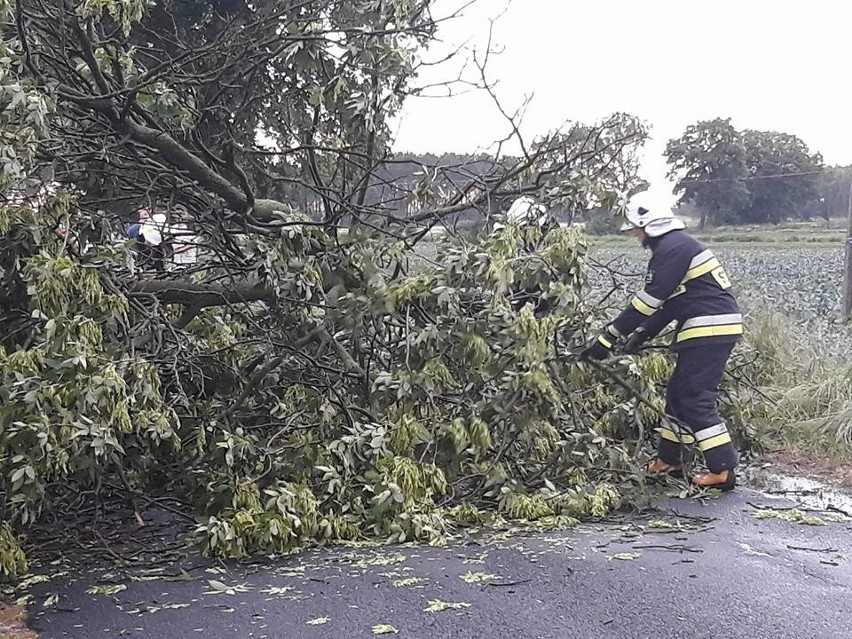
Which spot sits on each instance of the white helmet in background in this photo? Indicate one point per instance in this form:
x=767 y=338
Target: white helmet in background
x=651 y=214
x=525 y=211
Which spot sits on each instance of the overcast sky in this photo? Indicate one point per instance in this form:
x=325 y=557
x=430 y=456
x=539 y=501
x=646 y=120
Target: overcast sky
x=782 y=66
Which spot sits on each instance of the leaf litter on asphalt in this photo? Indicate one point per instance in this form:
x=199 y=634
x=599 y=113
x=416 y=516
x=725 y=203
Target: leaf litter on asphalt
x=319 y=621
x=436 y=605
x=626 y=556
x=110 y=589
x=409 y=582
x=220 y=588
x=794 y=515
x=476 y=577
x=384 y=629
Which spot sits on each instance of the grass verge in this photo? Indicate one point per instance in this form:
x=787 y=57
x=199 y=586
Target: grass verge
x=809 y=407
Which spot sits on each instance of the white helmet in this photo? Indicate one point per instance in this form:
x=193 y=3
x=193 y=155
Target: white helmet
x=525 y=211
x=651 y=214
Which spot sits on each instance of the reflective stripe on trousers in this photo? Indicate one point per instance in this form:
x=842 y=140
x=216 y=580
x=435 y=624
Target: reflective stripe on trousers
x=691 y=398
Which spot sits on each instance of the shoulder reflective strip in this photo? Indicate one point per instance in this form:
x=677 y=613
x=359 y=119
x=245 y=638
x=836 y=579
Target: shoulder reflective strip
x=702 y=257
x=650 y=300
x=710 y=331
x=702 y=269
x=642 y=307
x=713 y=320
x=665 y=433
x=713 y=431
x=603 y=340
x=713 y=442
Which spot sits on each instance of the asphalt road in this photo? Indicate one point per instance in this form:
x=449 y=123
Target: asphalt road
x=702 y=569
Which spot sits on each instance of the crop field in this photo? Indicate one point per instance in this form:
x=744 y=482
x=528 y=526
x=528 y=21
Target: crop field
x=804 y=282
x=799 y=276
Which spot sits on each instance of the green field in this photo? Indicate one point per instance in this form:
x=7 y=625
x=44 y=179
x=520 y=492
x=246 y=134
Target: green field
x=791 y=295
x=789 y=233
x=802 y=282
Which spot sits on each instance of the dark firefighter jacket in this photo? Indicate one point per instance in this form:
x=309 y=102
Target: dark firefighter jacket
x=685 y=283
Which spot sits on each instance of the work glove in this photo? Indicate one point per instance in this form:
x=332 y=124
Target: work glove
x=636 y=341
x=598 y=348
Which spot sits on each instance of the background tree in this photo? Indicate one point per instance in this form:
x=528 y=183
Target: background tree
x=606 y=154
x=834 y=184
x=709 y=163
x=783 y=176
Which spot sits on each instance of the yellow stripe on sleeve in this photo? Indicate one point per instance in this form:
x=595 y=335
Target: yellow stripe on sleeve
x=642 y=307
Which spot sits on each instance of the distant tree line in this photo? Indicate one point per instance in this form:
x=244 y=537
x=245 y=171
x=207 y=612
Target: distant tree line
x=605 y=153
x=751 y=177
x=722 y=175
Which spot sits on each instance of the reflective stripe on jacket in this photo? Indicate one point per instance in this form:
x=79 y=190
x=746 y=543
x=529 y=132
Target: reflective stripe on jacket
x=685 y=283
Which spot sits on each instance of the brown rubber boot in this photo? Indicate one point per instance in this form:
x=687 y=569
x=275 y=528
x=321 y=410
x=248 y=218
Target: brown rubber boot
x=659 y=467
x=724 y=481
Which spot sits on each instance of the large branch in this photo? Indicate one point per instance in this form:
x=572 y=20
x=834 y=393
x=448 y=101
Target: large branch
x=200 y=295
x=174 y=152
x=178 y=155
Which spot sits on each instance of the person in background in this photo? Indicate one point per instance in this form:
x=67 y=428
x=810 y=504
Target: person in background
x=148 y=233
x=535 y=221
x=183 y=241
x=685 y=283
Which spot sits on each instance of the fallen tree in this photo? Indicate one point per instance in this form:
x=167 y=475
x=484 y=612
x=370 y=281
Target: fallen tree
x=304 y=381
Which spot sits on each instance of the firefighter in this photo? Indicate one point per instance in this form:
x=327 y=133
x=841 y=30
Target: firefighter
x=534 y=222
x=685 y=283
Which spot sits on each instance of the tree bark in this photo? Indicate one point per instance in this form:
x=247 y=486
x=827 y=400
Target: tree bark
x=200 y=295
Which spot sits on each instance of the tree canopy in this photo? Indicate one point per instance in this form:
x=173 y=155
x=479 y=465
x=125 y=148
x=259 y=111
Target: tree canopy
x=321 y=371
x=744 y=176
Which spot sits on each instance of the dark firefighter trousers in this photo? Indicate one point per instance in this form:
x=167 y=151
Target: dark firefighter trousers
x=691 y=400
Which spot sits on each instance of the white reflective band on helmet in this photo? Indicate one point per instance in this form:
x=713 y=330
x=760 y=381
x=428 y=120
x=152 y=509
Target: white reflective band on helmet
x=661 y=227
x=713 y=320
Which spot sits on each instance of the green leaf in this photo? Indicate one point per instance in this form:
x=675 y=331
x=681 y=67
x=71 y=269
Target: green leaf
x=218 y=586
x=476 y=577
x=110 y=589
x=384 y=629
x=437 y=605
x=319 y=621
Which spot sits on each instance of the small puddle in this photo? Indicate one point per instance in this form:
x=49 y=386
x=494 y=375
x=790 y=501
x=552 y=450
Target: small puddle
x=807 y=492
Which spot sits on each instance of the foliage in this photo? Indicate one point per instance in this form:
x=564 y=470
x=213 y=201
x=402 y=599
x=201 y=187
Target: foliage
x=811 y=395
x=13 y=561
x=769 y=153
x=709 y=162
x=745 y=176
x=834 y=189
x=606 y=157
x=308 y=381
x=312 y=451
